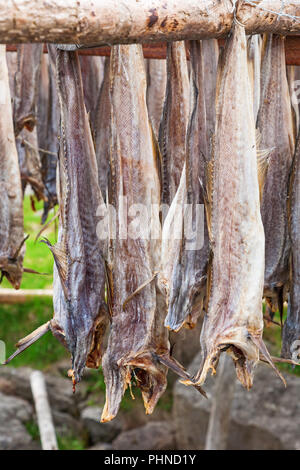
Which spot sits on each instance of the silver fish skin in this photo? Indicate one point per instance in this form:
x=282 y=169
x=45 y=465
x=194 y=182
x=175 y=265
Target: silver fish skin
x=275 y=124
x=254 y=63
x=292 y=72
x=137 y=332
x=51 y=144
x=186 y=286
x=174 y=123
x=102 y=129
x=156 y=89
x=234 y=320
x=30 y=162
x=27 y=86
x=210 y=52
x=12 y=247
x=92 y=76
x=291 y=328
x=79 y=276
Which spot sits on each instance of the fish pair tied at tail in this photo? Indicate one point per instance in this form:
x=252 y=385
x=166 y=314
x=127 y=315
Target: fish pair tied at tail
x=234 y=321
x=185 y=243
x=80 y=316
x=138 y=346
x=275 y=123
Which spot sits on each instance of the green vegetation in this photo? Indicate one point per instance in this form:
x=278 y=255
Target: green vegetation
x=66 y=442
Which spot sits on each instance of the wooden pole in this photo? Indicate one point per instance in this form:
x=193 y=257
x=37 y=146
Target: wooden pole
x=219 y=419
x=43 y=411
x=12 y=296
x=158 y=50
x=105 y=22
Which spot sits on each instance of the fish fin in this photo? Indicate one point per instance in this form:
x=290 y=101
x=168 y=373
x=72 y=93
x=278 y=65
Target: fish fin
x=32 y=271
x=262 y=163
x=157 y=153
x=139 y=289
x=176 y=367
x=29 y=340
x=16 y=254
x=109 y=287
x=209 y=189
x=258 y=341
x=46 y=225
x=61 y=262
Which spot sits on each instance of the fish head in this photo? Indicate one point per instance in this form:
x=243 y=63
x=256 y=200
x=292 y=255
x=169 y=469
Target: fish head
x=13 y=271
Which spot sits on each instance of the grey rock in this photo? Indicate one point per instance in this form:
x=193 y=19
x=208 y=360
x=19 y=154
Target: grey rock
x=266 y=417
x=14 y=412
x=66 y=425
x=101 y=446
x=16 y=381
x=153 y=436
x=104 y=432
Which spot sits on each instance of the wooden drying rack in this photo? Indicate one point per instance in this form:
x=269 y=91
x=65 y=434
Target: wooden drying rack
x=158 y=50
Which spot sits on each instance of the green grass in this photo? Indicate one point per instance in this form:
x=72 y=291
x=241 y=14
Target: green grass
x=68 y=442
x=37 y=256
x=18 y=320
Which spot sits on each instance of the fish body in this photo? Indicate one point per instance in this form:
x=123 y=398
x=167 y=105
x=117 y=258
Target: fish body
x=188 y=258
x=27 y=86
x=30 y=163
x=254 y=63
x=79 y=275
x=210 y=54
x=156 y=89
x=173 y=126
x=291 y=329
x=50 y=144
x=234 y=319
x=92 y=75
x=137 y=332
x=12 y=248
x=102 y=129
x=275 y=124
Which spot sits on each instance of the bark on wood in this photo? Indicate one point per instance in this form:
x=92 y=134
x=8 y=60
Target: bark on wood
x=105 y=22
x=43 y=411
x=219 y=419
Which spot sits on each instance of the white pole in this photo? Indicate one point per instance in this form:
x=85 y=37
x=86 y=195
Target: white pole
x=43 y=411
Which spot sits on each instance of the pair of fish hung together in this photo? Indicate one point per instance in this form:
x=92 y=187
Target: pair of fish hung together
x=80 y=315
x=234 y=321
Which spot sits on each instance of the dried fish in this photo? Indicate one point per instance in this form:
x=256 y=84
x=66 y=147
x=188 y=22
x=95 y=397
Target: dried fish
x=80 y=312
x=291 y=329
x=234 y=321
x=254 y=63
x=210 y=52
x=156 y=89
x=27 y=86
x=12 y=247
x=137 y=333
x=49 y=149
x=92 y=76
x=173 y=127
x=276 y=127
x=30 y=163
x=102 y=130
x=185 y=259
